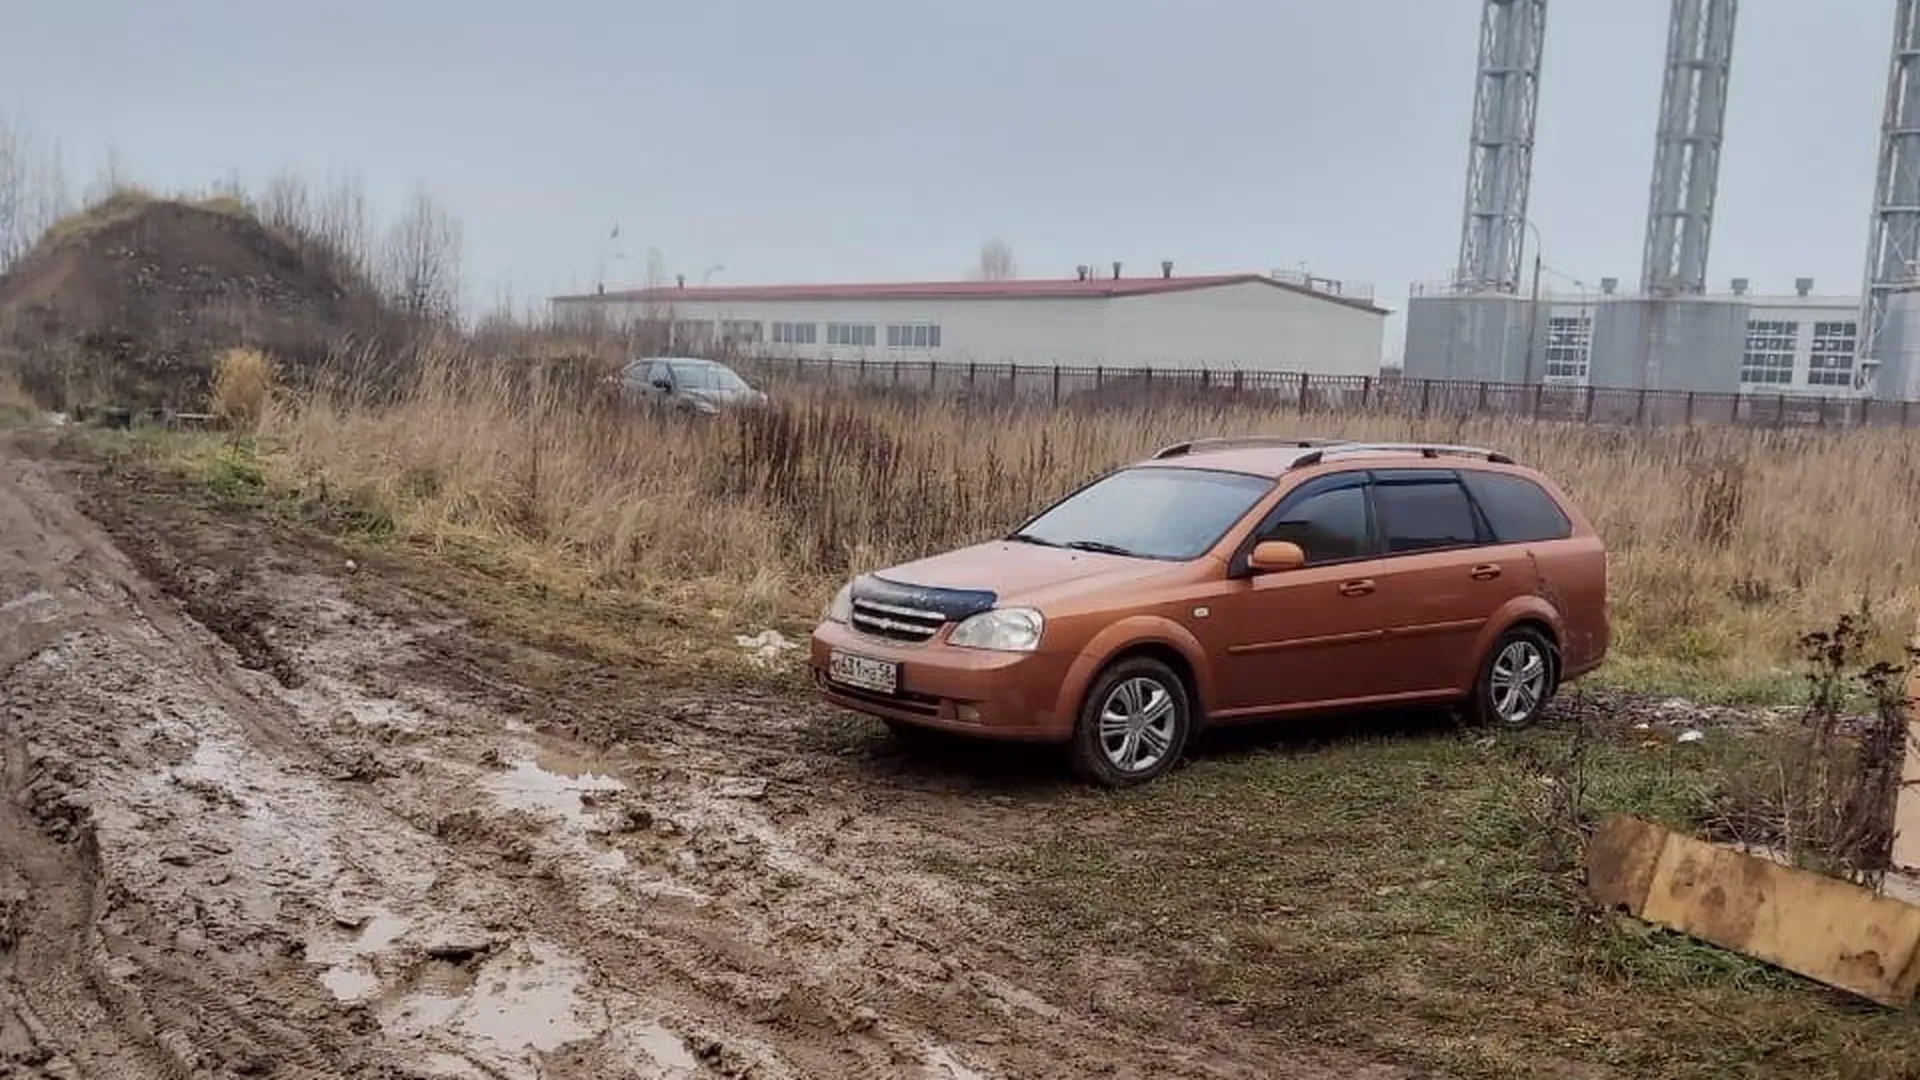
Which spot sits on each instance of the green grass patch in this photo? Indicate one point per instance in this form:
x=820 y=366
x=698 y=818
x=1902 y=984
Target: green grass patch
x=1413 y=896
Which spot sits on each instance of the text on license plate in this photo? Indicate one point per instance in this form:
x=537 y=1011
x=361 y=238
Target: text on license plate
x=879 y=676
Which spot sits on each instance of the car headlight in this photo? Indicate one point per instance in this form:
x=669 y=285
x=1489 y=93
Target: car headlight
x=840 y=608
x=1002 y=630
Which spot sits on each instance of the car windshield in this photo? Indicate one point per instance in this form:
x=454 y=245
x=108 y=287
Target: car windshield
x=706 y=377
x=1150 y=512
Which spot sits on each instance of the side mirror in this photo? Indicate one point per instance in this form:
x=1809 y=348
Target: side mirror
x=1276 y=556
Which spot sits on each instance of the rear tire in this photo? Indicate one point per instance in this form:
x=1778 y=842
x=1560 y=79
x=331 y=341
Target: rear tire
x=1517 y=680
x=1134 y=724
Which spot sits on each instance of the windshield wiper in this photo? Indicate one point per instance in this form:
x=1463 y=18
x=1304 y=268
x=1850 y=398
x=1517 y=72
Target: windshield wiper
x=1029 y=538
x=1100 y=547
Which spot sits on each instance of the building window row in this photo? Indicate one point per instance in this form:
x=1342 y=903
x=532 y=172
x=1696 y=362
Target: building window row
x=913 y=336
x=1569 y=346
x=1771 y=345
x=1834 y=346
x=740 y=332
x=795 y=333
x=850 y=334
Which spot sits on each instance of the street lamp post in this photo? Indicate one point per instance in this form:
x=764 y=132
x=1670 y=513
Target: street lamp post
x=1533 y=304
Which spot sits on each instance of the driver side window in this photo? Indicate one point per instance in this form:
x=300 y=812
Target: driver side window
x=1329 y=525
x=659 y=373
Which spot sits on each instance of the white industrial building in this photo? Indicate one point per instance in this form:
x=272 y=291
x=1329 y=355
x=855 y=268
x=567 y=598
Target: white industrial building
x=1798 y=343
x=1274 y=322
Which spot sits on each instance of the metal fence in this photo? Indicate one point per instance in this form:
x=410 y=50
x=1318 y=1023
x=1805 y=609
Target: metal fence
x=1039 y=384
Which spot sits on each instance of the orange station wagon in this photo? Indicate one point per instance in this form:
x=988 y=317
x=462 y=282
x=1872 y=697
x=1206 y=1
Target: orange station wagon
x=1230 y=580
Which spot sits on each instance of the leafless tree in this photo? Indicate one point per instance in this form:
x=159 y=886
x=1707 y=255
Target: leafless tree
x=996 y=261
x=33 y=190
x=341 y=222
x=420 y=262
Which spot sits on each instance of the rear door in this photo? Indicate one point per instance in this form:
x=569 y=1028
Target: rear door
x=1443 y=576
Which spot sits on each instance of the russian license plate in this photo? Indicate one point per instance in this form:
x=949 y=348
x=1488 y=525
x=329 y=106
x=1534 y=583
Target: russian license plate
x=879 y=676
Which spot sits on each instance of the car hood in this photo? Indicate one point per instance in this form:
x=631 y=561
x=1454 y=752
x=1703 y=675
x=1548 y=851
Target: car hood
x=1017 y=573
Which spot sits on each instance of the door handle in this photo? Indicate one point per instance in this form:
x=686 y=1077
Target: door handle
x=1486 y=572
x=1356 y=588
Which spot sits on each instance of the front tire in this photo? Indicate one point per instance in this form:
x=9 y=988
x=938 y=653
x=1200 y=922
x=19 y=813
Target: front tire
x=1517 y=679
x=1134 y=724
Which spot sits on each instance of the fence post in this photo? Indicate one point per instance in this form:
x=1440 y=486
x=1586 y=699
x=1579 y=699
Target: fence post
x=798 y=367
x=1206 y=378
x=1306 y=387
x=1099 y=376
x=1539 y=393
x=1239 y=380
x=1780 y=412
x=1426 y=393
x=1586 y=412
x=896 y=373
x=1366 y=390
x=1640 y=408
x=971 y=366
x=1056 y=384
x=1689 y=408
x=1480 y=404
x=862 y=373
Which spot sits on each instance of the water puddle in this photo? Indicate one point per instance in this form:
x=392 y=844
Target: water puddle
x=527 y=999
x=573 y=765
x=943 y=1065
x=350 y=975
x=666 y=1050
x=529 y=785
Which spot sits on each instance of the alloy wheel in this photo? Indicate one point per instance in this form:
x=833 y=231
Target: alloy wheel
x=1137 y=724
x=1519 y=681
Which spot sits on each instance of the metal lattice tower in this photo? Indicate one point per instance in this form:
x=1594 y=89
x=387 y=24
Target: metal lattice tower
x=1686 y=161
x=1893 y=254
x=1500 y=170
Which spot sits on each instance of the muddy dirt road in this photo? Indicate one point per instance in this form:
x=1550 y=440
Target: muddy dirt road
x=264 y=815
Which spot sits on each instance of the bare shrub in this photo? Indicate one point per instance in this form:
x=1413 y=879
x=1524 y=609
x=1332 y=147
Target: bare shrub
x=242 y=386
x=1824 y=797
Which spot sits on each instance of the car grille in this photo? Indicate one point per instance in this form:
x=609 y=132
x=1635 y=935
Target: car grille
x=894 y=622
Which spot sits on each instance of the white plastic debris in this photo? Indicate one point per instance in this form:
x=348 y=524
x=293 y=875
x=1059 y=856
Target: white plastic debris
x=767 y=647
x=1692 y=735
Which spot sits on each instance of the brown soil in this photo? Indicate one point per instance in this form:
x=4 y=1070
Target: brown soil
x=264 y=814
x=129 y=303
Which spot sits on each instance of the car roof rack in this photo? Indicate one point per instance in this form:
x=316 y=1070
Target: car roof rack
x=1182 y=449
x=1426 y=450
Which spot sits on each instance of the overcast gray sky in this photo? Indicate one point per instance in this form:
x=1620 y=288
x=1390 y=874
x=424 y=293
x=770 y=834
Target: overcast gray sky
x=885 y=139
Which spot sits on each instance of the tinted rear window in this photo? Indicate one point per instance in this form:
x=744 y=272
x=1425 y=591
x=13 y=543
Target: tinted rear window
x=1517 y=509
x=1423 y=512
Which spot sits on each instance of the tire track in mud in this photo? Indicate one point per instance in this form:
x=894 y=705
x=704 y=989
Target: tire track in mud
x=336 y=836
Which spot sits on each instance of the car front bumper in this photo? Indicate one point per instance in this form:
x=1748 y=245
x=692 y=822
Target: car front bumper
x=991 y=695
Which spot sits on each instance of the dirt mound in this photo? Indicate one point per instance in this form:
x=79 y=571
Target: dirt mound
x=129 y=302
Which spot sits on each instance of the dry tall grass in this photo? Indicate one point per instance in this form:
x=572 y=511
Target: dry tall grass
x=1728 y=543
x=242 y=385
x=15 y=403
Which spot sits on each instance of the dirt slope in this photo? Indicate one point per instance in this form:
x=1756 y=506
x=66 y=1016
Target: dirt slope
x=363 y=844
x=132 y=299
